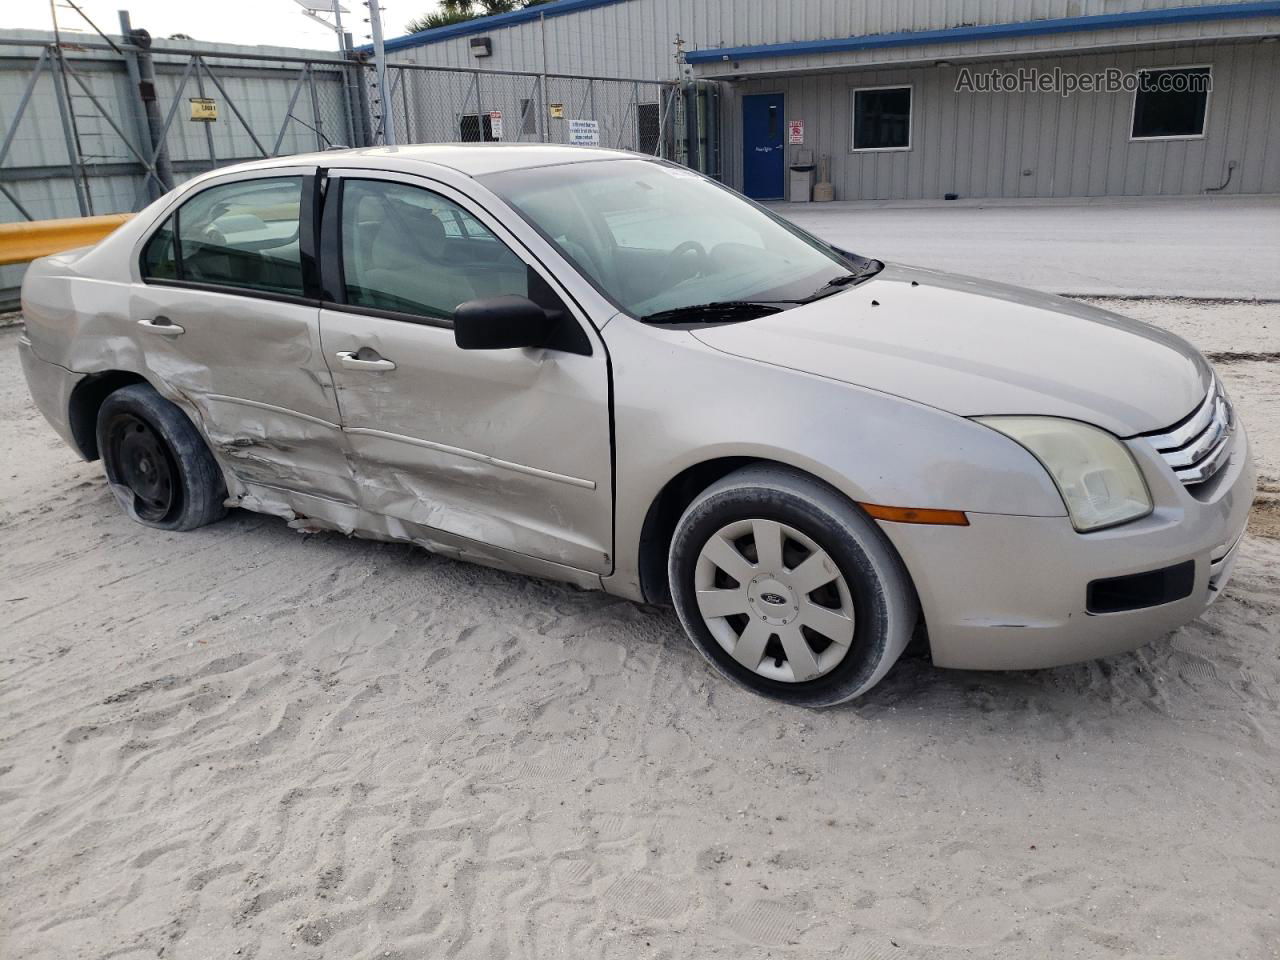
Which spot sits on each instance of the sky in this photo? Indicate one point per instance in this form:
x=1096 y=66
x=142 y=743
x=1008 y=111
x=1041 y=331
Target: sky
x=272 y=22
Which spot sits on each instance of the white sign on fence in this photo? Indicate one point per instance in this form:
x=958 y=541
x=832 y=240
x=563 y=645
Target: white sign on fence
x=584 y=133
x=495 y=124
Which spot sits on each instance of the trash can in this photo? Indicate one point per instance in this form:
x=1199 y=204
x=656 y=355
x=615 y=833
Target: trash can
x=801 y=186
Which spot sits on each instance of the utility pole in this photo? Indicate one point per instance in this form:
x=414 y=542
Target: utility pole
x=385 y=114
x=143 y=75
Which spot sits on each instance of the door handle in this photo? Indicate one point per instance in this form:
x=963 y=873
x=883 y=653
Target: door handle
x=351 y=361
x=162 y=326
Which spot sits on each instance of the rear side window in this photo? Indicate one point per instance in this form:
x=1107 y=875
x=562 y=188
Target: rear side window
x=242 y=235
x=409 y=250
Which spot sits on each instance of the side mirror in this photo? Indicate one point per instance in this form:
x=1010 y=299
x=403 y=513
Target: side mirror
x=503 y=323
x=499 y=323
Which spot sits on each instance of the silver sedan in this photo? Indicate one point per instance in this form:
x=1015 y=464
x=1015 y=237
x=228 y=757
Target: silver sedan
x=608 y=370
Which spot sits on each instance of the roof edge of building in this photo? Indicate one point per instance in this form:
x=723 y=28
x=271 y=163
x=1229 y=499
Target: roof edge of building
x=496 y=22
x=994 y=31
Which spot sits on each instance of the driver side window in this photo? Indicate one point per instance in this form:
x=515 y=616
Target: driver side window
x=242 y=234
x=409 y=250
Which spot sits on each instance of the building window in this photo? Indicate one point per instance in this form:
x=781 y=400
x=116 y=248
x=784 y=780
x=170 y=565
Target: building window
x=1171 y=103
x=882 y=118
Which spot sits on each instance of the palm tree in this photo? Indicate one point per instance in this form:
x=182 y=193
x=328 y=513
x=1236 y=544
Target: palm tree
x=458 y=11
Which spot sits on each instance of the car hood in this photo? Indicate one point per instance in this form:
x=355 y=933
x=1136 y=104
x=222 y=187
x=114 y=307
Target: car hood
x=976 y=348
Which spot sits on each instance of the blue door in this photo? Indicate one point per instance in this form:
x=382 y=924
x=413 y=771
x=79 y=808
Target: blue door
x=762 y=152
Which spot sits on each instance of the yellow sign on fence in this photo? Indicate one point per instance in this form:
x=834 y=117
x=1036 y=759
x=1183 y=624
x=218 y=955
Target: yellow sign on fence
x=556 y=110
x=204 y=109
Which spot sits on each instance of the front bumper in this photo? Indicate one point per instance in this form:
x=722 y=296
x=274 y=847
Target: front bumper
x=1009 y=592
x=50 y=387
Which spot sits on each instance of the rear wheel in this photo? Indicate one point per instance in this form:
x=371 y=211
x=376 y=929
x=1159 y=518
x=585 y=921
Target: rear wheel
x=788 y=588
x=158 y=466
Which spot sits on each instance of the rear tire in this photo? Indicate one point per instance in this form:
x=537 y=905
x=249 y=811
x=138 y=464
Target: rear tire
x=788 y=588
x=157 y=463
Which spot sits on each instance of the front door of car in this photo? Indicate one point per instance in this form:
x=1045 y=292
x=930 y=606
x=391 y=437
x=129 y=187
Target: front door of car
x=506 y=448
x=224 y=319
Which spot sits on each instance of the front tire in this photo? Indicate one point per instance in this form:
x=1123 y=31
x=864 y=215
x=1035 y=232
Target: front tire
x=789 y=589
x=157 y=463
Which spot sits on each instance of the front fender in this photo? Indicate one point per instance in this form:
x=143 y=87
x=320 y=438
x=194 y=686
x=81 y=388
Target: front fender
x=678 y=403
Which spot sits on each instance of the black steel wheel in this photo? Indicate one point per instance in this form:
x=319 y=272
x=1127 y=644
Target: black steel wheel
x=157 y=463
x=144 y=465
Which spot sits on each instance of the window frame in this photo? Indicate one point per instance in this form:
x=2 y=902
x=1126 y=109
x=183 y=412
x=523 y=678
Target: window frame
x=333 y=287
x=308 y=245
x=1204 y=119
x=853 y=118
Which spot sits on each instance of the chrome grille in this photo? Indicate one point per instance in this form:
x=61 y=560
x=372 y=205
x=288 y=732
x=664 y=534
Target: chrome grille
x=1200 y=445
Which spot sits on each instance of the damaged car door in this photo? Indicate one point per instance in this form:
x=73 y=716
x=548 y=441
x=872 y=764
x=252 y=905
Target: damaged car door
x=227 y=316
x=496 y=453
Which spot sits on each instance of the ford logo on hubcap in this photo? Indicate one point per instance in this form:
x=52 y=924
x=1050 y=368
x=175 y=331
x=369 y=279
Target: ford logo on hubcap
x=773 y=598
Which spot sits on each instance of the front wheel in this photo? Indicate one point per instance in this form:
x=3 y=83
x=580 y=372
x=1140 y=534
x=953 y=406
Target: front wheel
x=788 y=588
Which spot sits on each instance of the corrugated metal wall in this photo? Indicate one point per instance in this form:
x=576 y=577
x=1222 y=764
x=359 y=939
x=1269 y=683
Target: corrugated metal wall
x=636 y=38
x=1037 y=145
x=37 y=172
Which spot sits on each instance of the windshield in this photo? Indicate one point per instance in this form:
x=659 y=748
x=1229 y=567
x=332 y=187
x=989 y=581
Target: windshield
x=663 y=242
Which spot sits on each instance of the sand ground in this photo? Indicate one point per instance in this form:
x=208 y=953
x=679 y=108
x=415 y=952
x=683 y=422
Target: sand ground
x=248 y=742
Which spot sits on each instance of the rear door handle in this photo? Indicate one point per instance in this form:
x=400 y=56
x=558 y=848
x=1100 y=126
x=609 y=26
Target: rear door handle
x=349 y=360
x=162 y=326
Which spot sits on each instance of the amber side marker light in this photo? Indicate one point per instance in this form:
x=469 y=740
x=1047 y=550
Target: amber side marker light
x=944 y=518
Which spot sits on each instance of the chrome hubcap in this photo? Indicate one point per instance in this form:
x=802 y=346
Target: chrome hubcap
x=774 y=600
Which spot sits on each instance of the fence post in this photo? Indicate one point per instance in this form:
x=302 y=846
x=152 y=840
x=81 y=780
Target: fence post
x=405 y=77
x=691 y=126
x=142 y=74
x=362 y=95
x=321 y=139
x=544 y=126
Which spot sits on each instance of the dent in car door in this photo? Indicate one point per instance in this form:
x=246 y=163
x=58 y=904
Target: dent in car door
x=223 y=319
x=506 y=448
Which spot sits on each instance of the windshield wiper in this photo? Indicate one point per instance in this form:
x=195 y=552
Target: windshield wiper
x=837 y=284
x=719 y=311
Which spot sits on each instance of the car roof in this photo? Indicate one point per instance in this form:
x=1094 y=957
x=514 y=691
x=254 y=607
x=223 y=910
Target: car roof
x=471 y=159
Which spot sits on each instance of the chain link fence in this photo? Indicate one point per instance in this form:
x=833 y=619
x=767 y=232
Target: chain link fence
x=91 y=128
x=437 y=105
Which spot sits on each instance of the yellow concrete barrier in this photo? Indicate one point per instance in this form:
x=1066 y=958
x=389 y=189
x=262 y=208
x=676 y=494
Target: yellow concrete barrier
x=23 y=242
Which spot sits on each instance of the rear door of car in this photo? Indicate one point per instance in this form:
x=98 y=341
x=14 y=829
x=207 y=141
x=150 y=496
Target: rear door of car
x=227 y=315
x=493 y=448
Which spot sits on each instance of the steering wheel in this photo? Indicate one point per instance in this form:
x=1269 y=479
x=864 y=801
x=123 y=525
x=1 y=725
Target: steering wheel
x=679 y=260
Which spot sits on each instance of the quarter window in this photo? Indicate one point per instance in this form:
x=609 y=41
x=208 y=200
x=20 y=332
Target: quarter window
x=1171 y=103
x=408 y=250
x=242 y=235
x=882 y=118
x=160 y=257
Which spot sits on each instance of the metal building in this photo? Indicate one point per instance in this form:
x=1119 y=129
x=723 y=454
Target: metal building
x=910 y=99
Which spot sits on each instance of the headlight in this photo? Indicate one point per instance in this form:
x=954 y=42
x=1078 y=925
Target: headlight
x=1096 y=474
